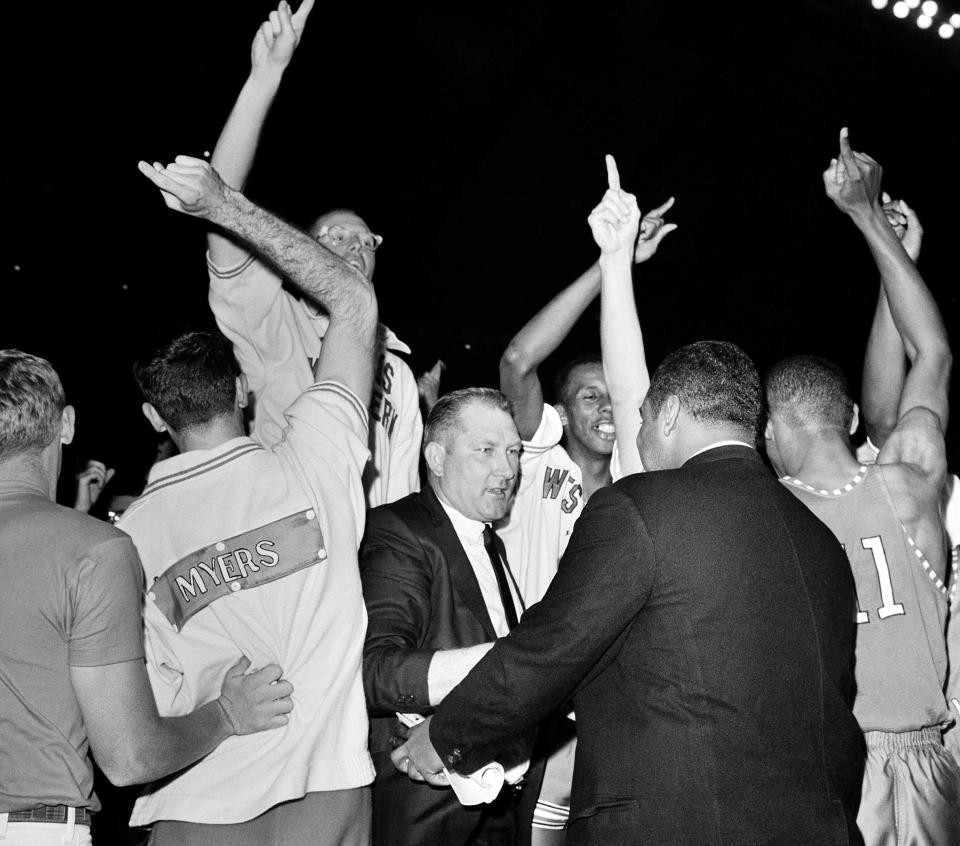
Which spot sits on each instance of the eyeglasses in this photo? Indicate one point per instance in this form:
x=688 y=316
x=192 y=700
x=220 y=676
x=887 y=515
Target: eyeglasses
x=338 y=235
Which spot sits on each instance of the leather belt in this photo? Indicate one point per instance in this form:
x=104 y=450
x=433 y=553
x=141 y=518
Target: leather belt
x=50 y=814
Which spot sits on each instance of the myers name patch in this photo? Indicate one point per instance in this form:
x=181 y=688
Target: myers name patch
x=239 y=563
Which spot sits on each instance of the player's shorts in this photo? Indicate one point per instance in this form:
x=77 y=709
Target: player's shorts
x=951 y=738
x=911 y=790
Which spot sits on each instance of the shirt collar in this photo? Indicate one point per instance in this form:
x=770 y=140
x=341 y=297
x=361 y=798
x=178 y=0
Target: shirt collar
x=20 y=479
x=321 y=321
x=467 y=530
x=715 y=444
x=188 y=460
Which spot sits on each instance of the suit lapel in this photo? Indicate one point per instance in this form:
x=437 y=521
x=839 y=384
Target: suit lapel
x=464 y=580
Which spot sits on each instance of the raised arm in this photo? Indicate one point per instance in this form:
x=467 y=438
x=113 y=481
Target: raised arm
x=885 y=362
x=271 y=52
x=853 y=183
x=621 y=340
x=193 y=187
x=542 y=334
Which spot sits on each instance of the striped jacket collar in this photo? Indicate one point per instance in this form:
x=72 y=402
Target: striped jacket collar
x=173 y=469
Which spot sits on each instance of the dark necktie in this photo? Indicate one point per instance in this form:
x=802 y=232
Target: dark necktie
x=498 y=556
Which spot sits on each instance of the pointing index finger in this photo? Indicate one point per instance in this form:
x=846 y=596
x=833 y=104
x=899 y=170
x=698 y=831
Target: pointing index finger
x=662 y=209
x=613 y=175
x=302 y=13
x=847 y=155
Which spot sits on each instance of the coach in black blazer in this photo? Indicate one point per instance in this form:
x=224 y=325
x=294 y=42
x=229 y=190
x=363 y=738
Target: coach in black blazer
x=429 y=621
x=705 y=627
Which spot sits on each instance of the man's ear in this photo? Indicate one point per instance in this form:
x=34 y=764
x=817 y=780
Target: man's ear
x=855 y=422
x=68 y=424
x=153 y=417
x=670 y=414
x=243 y=390
x=433 y=455
x=558 y=407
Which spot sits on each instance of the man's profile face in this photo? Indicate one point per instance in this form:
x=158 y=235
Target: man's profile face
x=774 y=438
x=349 y=247
x=650 y=439
x=481 y=458
x=589 y=413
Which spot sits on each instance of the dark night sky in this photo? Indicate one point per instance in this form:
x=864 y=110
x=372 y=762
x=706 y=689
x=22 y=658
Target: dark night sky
x=472 y=139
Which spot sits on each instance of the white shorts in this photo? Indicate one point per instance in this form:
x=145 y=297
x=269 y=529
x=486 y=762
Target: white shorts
x=911 y=790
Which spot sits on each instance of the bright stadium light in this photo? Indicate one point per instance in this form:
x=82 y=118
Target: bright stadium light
x=945 y=31
x=912 y=4
x=879 y=4
x=924 y=22
x=955 y=21
x=930 y=8
x=901 y=9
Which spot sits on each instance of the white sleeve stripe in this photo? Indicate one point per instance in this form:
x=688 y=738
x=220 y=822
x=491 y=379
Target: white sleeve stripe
x=229 y=272
x=346 y=393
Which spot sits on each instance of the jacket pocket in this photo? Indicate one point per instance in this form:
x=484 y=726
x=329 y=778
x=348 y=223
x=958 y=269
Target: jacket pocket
x=610 y=822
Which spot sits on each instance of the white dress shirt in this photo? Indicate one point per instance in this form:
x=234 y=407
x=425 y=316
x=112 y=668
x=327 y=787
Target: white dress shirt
x=470 y=533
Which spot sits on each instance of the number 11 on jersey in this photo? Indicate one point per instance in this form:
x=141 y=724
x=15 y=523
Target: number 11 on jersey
x=889 y=607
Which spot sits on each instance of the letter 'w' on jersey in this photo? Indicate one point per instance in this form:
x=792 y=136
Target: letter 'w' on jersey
x=552 y=482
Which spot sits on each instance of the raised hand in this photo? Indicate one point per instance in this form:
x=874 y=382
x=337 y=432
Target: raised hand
x=906 y=224
x=428 y=384
x=852 y=181
x=188 y=185
x=616 y=220
x=255 y=701
x=653 y=230
x=277 y=39
x=90 y=484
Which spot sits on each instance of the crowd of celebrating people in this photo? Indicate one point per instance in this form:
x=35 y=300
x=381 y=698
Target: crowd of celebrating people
x=671 y=608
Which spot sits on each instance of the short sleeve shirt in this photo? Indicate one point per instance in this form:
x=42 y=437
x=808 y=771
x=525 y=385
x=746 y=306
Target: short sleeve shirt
x=70 y=597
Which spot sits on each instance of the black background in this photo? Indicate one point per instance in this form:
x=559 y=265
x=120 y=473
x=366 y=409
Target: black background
x=472 y=138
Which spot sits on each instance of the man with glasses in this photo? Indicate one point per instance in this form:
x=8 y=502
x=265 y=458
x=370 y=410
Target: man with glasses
x=276 y=335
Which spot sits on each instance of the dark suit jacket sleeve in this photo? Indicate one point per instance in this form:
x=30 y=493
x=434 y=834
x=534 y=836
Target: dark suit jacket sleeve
x=604 y=579
x=397 y=578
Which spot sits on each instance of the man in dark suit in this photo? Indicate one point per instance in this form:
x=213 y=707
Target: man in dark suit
x=704 y=626
x=435 y=606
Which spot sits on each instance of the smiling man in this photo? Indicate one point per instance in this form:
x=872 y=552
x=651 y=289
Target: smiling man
x=439 y=591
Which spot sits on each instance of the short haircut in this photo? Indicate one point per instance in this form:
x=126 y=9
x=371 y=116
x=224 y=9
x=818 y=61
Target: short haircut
x=31 y=403
x=810 y=392
x=446 y=416
x=190 y=380
x=716 y=382
x=335 y=210
x=561 y=384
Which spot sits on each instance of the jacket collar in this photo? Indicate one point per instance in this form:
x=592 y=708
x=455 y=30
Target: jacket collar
x=723 y=453
x=461 y=571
